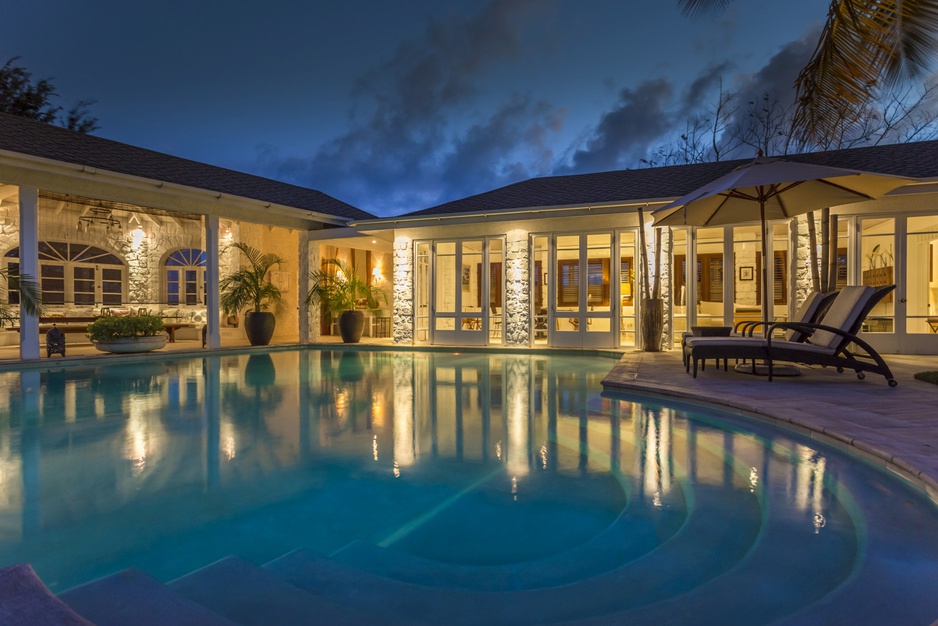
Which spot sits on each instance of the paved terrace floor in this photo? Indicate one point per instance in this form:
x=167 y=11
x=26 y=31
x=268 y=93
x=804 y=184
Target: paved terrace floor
x=895 y=427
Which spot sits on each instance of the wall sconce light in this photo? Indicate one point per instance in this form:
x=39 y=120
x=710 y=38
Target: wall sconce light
x=137 y=235
x=377 y=275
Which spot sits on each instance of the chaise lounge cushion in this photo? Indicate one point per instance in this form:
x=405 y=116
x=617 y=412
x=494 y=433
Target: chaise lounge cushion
x=843 y=313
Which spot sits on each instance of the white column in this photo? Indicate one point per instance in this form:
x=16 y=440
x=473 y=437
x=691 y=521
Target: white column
x=303 y=287
x=211 y=279
x=313 y=313
x=29 y=266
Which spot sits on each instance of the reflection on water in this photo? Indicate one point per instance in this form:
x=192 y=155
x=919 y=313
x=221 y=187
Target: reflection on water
x=172 y=464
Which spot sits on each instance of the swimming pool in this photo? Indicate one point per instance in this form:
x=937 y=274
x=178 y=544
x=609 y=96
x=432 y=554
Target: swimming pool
x=497 y=478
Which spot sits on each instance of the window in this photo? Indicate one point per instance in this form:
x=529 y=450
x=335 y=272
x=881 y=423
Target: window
x=185 y=276
x=626 y=281
x=75 y=273
x=495 y=285
x=568 y=282
x=780 y=277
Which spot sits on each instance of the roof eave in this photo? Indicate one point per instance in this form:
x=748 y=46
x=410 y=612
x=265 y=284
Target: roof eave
x=568 y=210
x=14 y=159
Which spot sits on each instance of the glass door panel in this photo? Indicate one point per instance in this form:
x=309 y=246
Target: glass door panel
x=422 y=295
x=83 y=285
x=747 y=274
x=920 y=334
x=583 y=293
x=496 y=282
x=540 y=289
x=567 y=291
x=680 y=286
x=710 y=277
x=472 y=286
x=599 y=270
x=877 y=242
x=627 y=285
x=460 y=288
x=53 y=284
x=445 y=287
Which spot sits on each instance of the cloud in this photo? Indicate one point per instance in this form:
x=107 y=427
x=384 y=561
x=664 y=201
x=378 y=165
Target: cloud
x=778 y=75
x=417 y=136
x=623 y=135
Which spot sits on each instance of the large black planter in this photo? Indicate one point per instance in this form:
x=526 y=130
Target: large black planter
x=351 y=326
x=259 y=327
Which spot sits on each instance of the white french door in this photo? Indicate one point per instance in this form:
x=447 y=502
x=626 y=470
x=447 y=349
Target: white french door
x=581 y=294
x=467 y=292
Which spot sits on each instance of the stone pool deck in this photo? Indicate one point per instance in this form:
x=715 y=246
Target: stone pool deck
x=894 y=427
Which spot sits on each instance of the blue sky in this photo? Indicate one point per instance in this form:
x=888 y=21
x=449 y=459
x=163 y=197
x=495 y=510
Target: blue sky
x=395 y=105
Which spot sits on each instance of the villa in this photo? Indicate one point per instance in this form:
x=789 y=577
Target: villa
x=435 y=483
x=118 y=228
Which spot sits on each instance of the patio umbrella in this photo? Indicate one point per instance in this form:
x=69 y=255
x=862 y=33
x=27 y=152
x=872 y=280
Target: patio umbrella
x=773 y=189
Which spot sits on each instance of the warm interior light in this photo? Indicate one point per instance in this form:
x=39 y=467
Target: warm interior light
x=376 y=274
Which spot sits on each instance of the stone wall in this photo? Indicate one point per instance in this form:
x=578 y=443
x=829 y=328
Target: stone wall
x=517 y=289
x=403 y=291
x=803 y=280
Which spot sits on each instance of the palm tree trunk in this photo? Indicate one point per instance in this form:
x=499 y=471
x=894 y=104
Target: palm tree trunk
x=815 y=263
x=825 y=250
x=832 y=246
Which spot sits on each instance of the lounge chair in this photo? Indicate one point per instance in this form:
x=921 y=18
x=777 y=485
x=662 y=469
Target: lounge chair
x=811 y=311
x=833 y=343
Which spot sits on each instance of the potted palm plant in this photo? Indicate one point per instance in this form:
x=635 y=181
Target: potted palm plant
x=342 y=291
x=249 y=288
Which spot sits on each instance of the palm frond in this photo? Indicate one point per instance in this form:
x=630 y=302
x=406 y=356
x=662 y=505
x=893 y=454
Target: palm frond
x=249 y=286
x=29 y=293
x=863 y=46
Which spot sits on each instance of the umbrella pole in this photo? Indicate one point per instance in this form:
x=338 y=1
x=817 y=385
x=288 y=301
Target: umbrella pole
x=765 y=272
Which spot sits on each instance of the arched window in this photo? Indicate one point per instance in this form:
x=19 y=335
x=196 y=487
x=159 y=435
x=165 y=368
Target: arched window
x=185 y=276
x=75 y=273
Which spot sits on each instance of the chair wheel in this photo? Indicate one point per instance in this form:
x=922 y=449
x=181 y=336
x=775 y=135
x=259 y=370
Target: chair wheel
x=893 y=382
x=861 y=375
x=840 y=370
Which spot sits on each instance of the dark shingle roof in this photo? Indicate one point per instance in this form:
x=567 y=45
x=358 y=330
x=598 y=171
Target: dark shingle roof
x=914 y=160
x=26 y=136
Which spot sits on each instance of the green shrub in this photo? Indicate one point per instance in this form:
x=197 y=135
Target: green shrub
x=108 y=328
x=928 y=377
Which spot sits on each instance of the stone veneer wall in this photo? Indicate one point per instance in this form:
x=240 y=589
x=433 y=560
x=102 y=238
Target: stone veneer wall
x=517 y=289
x=667 y=262
x=403 y=290
x=803 y=280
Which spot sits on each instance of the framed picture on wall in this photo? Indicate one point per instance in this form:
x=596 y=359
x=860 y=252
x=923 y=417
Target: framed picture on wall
x=745 y=272
x=465 y=275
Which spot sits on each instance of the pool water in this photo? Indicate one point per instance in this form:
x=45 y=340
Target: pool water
x=477 y=472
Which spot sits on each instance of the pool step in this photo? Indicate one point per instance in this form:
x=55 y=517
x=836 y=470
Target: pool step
x=133 y=597
x=251 y=595
x=26 y=601
x=630 y=537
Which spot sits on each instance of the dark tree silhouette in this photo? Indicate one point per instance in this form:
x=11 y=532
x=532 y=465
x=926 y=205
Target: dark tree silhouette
x=20 y=95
